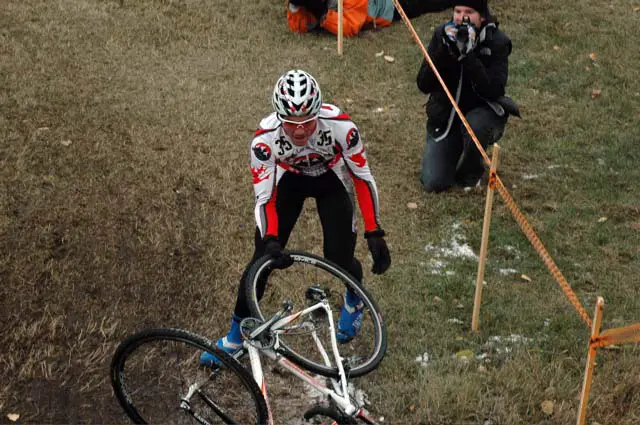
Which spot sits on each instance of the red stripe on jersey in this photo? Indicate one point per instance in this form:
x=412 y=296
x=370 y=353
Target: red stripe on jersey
x=342 y=116
x=262 y=131
x=272 y=214
x=365 y=201
x=334 y=161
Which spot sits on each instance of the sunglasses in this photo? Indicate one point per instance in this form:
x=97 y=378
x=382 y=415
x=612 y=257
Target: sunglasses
x=297 y=123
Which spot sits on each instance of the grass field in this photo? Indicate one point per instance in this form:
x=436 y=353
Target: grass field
x=126 y=201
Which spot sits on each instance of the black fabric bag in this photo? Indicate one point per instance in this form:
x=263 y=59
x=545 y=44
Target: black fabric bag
x=509 y=105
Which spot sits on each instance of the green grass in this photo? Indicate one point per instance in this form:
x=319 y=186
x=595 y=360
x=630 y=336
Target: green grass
x=126 y=201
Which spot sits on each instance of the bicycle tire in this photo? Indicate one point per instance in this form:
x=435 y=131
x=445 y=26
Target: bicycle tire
x=373 y=352
x=231 y=374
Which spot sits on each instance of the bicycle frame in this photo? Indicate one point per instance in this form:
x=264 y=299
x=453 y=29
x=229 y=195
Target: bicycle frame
x=339 y=394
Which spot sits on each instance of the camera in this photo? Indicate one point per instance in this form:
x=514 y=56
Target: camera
x=463 y=30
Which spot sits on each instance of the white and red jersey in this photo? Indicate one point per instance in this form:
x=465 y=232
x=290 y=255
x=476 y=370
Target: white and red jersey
x=336 y=147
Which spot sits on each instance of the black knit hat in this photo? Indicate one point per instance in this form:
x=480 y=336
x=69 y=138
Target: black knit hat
x=479 y=6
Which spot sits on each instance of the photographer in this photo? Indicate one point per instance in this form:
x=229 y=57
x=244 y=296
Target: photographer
x=471 y=55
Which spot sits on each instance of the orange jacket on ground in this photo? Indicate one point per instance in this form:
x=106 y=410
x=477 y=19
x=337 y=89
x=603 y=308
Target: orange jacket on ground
x=356 y=15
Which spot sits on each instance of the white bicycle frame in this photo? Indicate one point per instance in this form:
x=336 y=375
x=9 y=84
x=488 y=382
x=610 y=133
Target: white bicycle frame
x=338 y=394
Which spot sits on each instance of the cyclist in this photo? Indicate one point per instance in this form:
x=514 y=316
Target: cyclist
x=309 y=149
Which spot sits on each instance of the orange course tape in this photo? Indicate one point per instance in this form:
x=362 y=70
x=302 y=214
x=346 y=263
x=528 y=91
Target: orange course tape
x=617 y=336
x=542 y=252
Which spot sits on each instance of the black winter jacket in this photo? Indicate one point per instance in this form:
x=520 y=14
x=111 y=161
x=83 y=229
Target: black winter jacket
x=484 y=73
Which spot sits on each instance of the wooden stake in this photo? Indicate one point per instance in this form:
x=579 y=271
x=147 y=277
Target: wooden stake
x=485 y=239
x=591 y=360
x=340 y=16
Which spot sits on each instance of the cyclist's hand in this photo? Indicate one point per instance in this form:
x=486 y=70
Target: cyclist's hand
x=379 y=251
x=273 y=249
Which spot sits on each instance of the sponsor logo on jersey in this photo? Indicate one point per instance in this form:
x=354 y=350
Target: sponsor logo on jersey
x=262 y=151
x=353 y=137
x=259 y=174
x=310 y=159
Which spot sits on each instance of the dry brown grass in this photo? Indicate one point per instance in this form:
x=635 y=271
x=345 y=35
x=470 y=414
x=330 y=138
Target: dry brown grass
x=125 y=200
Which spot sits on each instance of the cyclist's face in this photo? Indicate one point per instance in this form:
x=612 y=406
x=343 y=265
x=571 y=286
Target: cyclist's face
x=299 y=129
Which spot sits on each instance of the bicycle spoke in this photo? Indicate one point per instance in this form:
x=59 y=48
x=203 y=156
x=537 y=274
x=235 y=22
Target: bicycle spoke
x=217 y=409
x=159 y=380
x=360 y=355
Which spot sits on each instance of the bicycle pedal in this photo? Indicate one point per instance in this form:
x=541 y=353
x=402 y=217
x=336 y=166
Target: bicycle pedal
x=315 y=293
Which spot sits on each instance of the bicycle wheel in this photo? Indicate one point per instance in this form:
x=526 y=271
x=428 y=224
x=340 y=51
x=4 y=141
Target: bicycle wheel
x=153 y=371
x=361 y=355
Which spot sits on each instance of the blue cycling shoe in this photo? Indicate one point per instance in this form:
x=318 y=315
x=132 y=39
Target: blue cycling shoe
x=350 y=320
x=208 y=359
x=231 y=344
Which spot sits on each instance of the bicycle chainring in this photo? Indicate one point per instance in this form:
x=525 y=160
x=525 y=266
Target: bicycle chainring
x=265 y=340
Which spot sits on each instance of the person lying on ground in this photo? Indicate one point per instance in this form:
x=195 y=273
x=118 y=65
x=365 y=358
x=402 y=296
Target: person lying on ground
x=307 y=15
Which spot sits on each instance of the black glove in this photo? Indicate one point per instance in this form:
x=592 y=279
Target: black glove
x=273 y=249
x=318 y=8
x=449 y=40
x=379 y=251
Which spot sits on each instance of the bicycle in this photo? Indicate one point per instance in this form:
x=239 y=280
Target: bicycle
x=298 y=341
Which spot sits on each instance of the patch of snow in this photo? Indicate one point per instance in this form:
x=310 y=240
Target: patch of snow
x=423 y=359
x=506 y=344
x=513 y=250
x=511 y=339
x=530 y=176
x=454 y=248
x=482 y=356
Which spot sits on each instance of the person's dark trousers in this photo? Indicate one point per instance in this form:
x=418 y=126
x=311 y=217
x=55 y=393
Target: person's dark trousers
x=415 y=8
x=335 y=208
x=455 y=159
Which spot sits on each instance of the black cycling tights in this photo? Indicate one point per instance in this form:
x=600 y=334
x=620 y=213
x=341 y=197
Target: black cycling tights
x=335 y=208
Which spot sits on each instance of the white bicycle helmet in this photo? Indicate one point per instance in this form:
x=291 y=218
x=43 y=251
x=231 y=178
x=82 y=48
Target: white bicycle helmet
x=296 y=93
